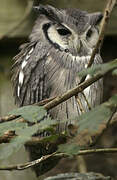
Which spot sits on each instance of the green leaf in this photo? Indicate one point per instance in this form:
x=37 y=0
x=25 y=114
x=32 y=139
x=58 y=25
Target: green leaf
x=93 y=123
x=93 y=119
x=30 y=113
x=90 y=126
x=16 y=143
x=24 y=134
x=47 y=123
x=69 y=149
x=8 y=150
x=99 y=68
x=10 y=126
x=98 y=117
x=92 y=70
x=114 y=73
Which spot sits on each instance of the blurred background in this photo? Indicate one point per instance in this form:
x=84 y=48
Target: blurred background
x=16 y=21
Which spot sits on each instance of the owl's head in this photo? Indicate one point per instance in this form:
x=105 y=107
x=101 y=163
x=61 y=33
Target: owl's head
x=69 y=30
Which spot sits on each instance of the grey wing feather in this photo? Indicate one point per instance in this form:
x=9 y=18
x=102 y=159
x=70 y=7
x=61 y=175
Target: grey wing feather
x=33 y=88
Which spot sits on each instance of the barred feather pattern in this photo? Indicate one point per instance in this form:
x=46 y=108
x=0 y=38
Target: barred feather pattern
x=44 y=68
x=50 y=74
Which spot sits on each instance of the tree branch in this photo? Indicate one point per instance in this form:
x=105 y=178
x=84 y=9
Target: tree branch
x=43 y=158
x=107 y=12
x=60 y=99
x=12 y=117
x=54 y=101
x=28 y=164
x=76 y=90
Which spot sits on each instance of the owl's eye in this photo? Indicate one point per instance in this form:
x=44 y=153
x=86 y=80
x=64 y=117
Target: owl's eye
x=89 y=33
x=63 y=32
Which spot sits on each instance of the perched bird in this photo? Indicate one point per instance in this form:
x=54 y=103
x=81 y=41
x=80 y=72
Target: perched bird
x=60 y=46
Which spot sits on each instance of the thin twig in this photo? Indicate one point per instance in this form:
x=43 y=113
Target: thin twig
x=72 y=92
x=12 y=117
x=45 y=101
x=36 y=140
x=56 y=101
x=89 y=106
x=28 y=164
x=8 y=118
x=7 y=137
x=107 y=12
x=80 y=104
x=43 y=158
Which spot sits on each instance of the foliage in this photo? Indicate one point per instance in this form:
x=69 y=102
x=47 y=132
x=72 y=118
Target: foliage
x=90 y=126
x=30 y=113
x=24 y=132
x=99 y=69
x=35 y=119
x=11 y=126
x=114 y=73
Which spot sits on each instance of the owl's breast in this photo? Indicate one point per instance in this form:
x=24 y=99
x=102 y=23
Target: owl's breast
x=61 y=79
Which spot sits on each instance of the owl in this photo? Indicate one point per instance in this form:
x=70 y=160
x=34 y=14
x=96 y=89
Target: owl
x=59 y=47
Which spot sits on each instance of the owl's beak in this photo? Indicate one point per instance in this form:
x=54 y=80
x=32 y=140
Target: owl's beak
x=75 y=45
x=78 y=46
x=75 y=48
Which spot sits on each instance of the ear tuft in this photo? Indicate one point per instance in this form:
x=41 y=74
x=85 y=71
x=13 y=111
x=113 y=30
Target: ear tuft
x=95 y=18
x=41 y=9
x=49 y=11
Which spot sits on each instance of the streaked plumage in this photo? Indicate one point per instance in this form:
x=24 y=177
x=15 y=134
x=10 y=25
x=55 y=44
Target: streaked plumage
x=59 y=47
